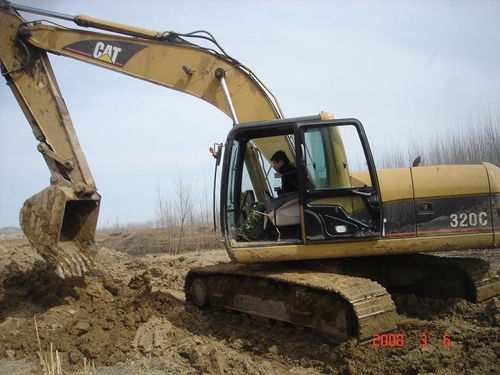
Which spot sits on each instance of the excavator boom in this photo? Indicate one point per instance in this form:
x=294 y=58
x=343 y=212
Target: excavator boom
x=60 y=221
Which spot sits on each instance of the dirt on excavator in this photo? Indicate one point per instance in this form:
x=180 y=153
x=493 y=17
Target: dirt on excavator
x=129 y=318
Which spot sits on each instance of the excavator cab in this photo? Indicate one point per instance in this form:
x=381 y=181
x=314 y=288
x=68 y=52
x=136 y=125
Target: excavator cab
x=329 y=203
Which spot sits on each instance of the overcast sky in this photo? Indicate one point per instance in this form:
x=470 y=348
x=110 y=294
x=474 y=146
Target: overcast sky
x=401 y=67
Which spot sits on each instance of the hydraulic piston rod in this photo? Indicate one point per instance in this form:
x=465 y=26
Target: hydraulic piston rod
x=86 y=21
x=221 y=76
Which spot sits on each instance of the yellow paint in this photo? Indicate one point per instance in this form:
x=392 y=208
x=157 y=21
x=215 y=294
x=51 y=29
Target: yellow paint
x=88 y=21
x=250 y=100
x=395 y=184
x=449 y=180
x=326 y=116
x=106 y=58
x=362 y=248
x=351 y=204
x=493 y=177
x=434 y=181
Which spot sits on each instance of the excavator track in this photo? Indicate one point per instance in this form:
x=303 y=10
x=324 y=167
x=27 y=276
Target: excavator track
x=471 y=274
x=338 y=306
x=480 y=269
x=338 y=298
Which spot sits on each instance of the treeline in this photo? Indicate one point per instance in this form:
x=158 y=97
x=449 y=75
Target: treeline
x=474 y=142
x=183 y=222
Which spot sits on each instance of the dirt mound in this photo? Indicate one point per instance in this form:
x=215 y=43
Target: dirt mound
x=130 y=319
x=97 y=317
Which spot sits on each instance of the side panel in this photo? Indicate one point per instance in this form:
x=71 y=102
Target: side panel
x=454 y=215
x=396 y=189
x=395 y=184
x=400 y=219
x=397 y=195
x=449 y=180
x=453 y=200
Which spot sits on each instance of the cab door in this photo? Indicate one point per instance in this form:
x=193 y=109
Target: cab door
x=339 y=190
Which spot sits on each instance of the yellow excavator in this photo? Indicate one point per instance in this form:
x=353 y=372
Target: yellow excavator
x=324 y=254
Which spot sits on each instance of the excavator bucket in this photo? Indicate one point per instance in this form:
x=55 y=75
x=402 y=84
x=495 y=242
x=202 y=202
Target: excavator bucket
x=61 y=226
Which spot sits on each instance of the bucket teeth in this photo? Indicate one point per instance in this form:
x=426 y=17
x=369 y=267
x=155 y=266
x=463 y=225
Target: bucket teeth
x=70 y=262
x=60 y=226
x=60 y=272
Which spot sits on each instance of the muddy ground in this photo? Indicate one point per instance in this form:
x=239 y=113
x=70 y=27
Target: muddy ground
x=129 y=318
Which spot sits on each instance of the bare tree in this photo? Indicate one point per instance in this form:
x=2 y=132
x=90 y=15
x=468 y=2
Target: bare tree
x=184 y=216
x=166 y=220
x=202 y=210
x=474 y=142
x=161 y=212
x=183 y=205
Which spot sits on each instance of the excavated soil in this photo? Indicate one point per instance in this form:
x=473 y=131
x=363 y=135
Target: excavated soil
x=129 y=318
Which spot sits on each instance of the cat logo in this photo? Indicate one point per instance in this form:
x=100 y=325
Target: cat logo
x=106 y=52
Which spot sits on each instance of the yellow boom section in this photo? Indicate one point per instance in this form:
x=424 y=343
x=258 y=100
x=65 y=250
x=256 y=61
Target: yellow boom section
x=179 y=66
x=60 y=221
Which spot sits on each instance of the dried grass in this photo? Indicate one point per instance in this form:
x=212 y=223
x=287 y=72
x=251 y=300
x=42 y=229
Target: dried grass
x=50 y=361
x=160 y=240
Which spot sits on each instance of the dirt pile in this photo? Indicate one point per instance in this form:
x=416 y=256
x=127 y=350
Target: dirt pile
x=130 y=319
x=98 y=317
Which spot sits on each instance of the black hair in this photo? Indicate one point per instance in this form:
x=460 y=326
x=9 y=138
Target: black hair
x=280 y=155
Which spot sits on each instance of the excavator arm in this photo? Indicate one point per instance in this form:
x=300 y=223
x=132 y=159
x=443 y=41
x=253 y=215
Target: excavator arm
x=60 y=221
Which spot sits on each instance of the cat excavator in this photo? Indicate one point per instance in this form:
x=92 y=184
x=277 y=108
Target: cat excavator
x=325 y=256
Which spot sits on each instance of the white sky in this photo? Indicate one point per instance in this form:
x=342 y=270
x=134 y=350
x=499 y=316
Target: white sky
x=401 y=67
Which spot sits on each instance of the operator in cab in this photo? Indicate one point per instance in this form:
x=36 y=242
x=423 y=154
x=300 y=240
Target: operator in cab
x=282 y=165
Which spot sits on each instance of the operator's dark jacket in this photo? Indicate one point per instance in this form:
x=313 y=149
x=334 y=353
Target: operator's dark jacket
x=289 y=180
